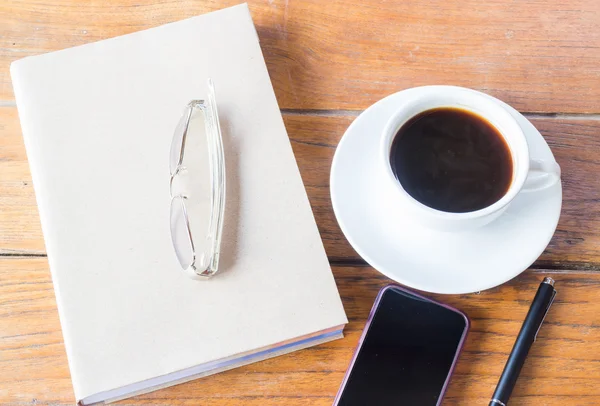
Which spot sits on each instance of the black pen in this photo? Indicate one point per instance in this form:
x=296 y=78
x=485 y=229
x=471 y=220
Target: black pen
x=531 y=326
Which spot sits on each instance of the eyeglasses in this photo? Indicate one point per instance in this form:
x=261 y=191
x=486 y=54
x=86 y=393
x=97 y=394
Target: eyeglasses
x=197 y=187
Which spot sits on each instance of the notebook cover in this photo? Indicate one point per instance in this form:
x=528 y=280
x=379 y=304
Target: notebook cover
x=97 y=122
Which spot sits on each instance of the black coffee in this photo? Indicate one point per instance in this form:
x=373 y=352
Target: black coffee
x=452 y=160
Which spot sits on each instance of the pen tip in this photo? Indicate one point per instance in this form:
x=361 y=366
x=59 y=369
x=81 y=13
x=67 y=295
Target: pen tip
x=549 y=281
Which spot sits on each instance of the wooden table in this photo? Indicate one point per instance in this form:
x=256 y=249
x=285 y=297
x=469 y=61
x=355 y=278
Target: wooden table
x=329 y=60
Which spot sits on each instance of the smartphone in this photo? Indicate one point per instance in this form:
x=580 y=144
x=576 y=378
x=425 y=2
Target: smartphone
x=407 y=352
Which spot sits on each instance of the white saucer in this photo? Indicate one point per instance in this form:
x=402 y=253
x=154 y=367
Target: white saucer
x=426 y=259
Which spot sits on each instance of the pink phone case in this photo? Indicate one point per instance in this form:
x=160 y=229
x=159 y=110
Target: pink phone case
x=461 y=343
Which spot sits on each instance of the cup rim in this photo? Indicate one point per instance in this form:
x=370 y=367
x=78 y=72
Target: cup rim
x=519 y=153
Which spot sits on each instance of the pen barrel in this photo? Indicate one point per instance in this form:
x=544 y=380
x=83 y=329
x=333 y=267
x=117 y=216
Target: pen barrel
x=525 y=339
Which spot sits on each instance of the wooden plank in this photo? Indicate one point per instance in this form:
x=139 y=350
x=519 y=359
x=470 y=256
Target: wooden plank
x=540 y=57
x=19 y=222
x=562 y=368
x=575 y=143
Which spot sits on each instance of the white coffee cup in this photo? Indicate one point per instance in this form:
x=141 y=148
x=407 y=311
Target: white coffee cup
x=548 y=172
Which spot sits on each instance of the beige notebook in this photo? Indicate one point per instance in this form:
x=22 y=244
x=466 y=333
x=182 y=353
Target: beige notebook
x=98 y=122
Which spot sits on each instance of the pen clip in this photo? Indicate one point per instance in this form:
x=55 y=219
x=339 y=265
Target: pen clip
x=544 y=318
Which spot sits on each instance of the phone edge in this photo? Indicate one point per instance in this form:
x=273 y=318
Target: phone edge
x=459 y=349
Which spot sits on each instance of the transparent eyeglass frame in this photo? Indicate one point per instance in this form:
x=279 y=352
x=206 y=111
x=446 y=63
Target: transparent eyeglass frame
x=198 y=255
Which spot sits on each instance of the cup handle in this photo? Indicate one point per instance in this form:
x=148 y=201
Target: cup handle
x=542 y=174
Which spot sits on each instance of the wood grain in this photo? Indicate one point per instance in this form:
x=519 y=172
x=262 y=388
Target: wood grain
x=562 y=367
x=539 y=56
x=575 y=144
x=19 y=222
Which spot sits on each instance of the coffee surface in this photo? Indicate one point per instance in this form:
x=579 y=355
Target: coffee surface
x=452 y=160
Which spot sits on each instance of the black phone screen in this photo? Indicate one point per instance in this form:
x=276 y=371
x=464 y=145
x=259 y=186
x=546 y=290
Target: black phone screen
x=407 y=353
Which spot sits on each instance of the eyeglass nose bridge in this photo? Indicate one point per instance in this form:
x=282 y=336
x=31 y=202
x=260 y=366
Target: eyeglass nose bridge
x=173 y=176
